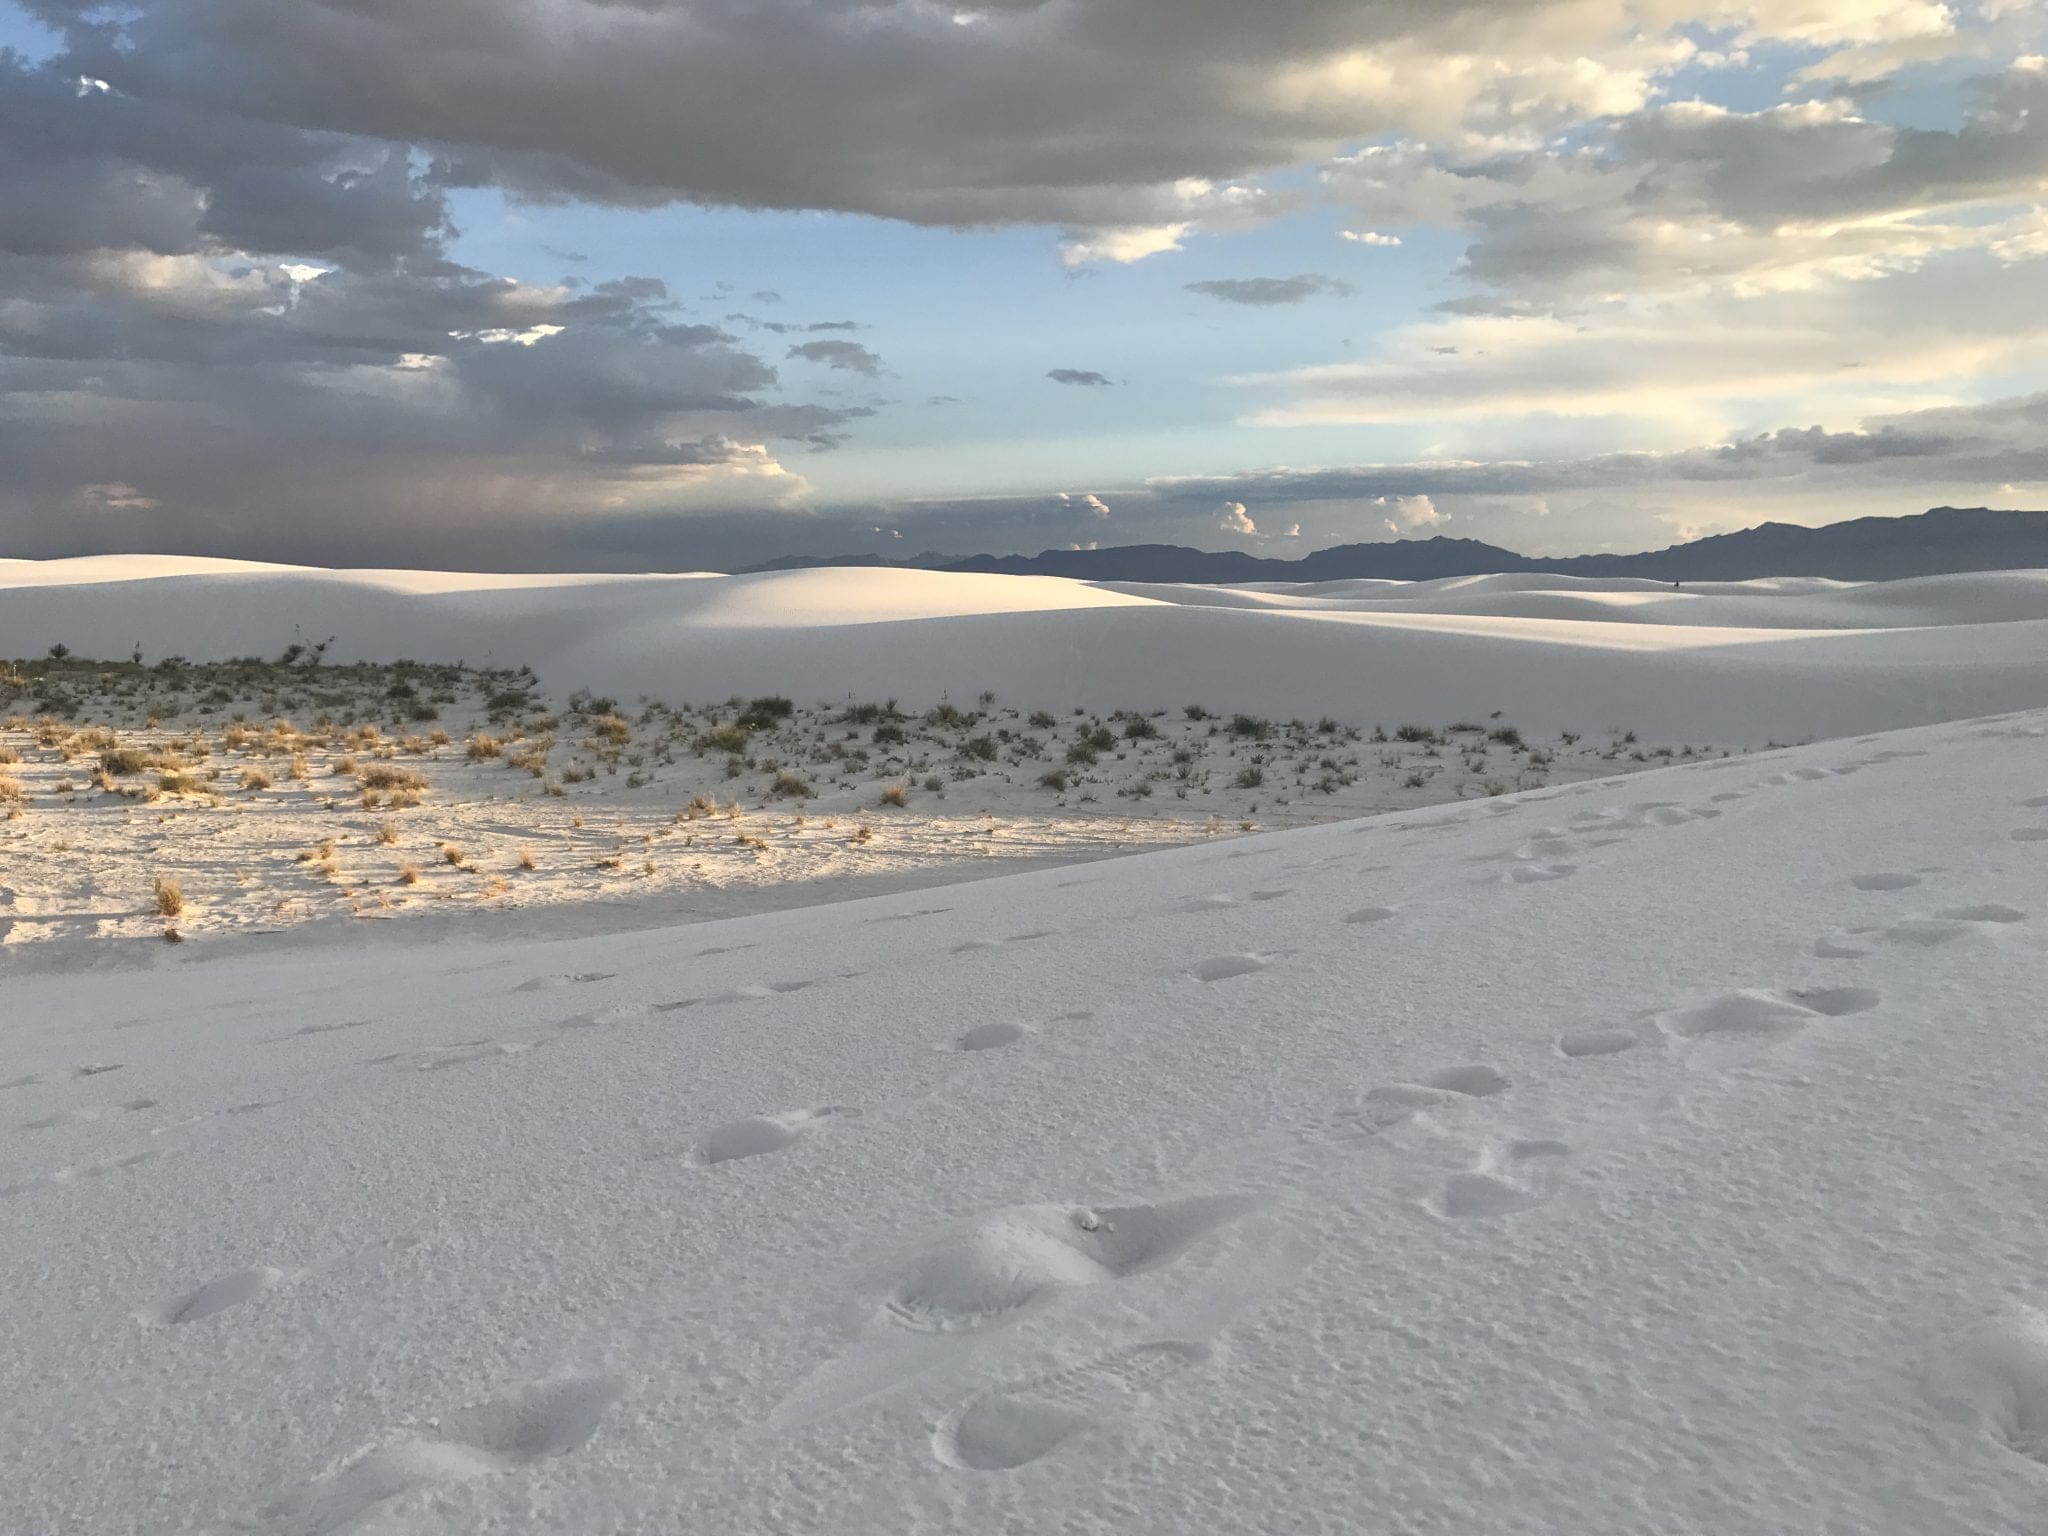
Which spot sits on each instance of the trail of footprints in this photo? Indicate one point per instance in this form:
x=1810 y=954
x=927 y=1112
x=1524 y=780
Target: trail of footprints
x=986 y=1271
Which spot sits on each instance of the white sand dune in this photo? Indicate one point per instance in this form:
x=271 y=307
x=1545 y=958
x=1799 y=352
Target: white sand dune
x=1731 y=663
x=1654 y=1156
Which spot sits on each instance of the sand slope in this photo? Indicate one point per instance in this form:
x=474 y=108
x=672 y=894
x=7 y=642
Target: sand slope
x=1730 y=663
x=1655 y=1156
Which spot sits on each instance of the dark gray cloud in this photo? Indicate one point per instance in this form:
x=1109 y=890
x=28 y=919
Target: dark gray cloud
x=1085 y=377
x=848 y=355
x=1094 y=116
x=1263 y=291
x=253 y=334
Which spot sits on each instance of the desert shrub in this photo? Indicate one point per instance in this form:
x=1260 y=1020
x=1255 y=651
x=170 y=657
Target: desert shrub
x=1140 y=729
x=947 y=716
x=1415 y=780
x=388 y=776
x=452 y=854
x=1507 y=736
x=1251 y=777
x=1054 y=778
x=1250 y=727
x=1082 y=753
x=1195 y=712
x=1415 y=733
x=170 y=897
x=981 y=747
x=1043 y=720
x=765 y=713
x=408 y=873
x=724 y=738
x=896 y=794
x=255 y=778
x=483 y=747
x=789 y=786
x=612 y=728
x=889 y=736
x=122 y=761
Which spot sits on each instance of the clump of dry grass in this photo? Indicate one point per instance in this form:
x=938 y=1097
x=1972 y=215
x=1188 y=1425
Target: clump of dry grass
x=170 y=897
x=122 y=761
x=408 y=873
x=179 y=782
x=383 y=776
x=387 y=832
x=483 y=747
x=452 y=854
x=612 y=728
x=9 y=755
x=526 y=858
x=255 y=778
x=897 y=795
x=11 y=792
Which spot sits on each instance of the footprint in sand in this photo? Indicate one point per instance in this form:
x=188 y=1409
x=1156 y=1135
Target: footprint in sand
x=1994 y=1377
x=988 y=1267
x=1538 y=874
x=909 y=917
x=1884 y=882
x=1515 y=1179
x=1942 y=927
x=1224 y=967
x=990 y=1037
x=573 y=979
x=1598 y=1042
x=550 y=1418
x=1765 y=1017
x=1391 y=1103
x=216 y=1296
x=1013 y=1426
x=758 y=1135
x=1369 y=915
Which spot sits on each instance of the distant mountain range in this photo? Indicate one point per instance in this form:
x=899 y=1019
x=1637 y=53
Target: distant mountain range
x=1929 y=543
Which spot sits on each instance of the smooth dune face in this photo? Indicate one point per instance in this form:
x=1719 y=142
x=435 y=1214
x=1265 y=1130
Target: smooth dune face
x=1732 y=663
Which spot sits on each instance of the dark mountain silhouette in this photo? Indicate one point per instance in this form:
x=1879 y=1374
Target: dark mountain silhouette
x=1930 y=543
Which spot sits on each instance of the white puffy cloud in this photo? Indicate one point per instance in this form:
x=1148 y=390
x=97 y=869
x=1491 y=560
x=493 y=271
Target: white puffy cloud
x=1407 y=513
x=1237 y=520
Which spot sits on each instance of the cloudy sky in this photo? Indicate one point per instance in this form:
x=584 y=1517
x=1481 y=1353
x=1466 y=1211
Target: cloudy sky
x=687 y=283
